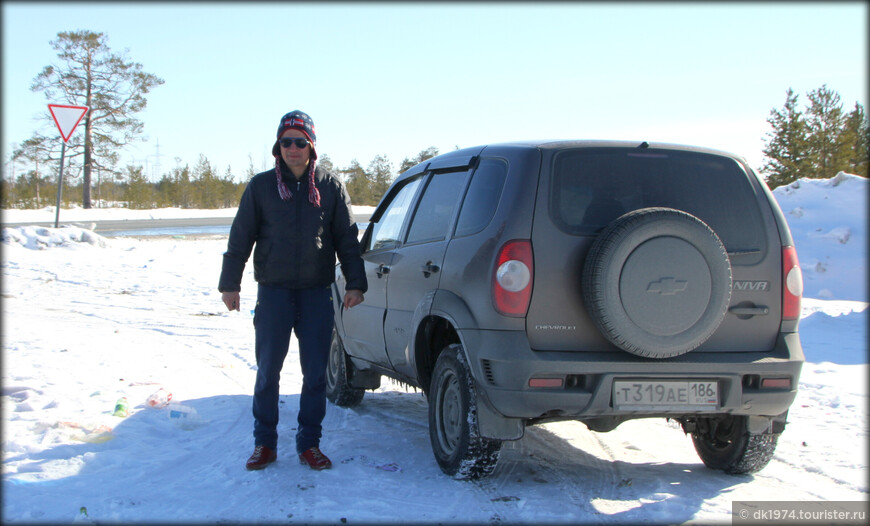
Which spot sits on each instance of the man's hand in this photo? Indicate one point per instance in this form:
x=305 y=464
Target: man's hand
x=231 y=300
x=352 y=298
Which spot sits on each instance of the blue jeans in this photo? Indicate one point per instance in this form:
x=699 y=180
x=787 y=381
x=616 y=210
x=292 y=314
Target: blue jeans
x=308 y=312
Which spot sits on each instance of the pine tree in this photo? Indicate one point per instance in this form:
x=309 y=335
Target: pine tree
x=786 y=150
x=326 y=163
x=407 y=163
x=207 y=185
x=249 y=171
x=855 y=138
x=381 y=174
x=825 y=124
x=35 y=150
x=139 y=193
x=165 y=192
x=358 y=184
x=182 y=186
x=230 y=193
x=114 y=89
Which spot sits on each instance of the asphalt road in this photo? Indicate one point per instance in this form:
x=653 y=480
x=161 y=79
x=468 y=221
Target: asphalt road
x=148 y=224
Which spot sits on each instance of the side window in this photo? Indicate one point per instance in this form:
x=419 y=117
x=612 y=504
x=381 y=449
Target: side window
x=385 y=233
x=482 y=197
x=435 y=211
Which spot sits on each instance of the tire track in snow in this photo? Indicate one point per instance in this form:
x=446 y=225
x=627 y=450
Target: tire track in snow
x=404 y=417
x=546 y=460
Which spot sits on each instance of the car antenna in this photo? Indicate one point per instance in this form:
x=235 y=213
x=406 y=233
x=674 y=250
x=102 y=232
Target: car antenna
x=644 y=144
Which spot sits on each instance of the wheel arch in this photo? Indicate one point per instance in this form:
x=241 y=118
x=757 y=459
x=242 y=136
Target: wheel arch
x=446 y=314
x=434 y=333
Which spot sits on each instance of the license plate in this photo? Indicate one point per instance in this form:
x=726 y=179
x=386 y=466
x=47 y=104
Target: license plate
x=633 y=395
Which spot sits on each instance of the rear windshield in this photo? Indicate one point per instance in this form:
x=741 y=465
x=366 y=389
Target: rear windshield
x=593 y=186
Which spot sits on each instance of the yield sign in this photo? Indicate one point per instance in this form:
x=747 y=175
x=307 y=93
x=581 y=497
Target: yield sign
x=67 y=118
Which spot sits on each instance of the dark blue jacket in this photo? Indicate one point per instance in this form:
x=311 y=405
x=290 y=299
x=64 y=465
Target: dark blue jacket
x=296 y=243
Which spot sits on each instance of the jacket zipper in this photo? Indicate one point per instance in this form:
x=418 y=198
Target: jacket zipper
x=298 y=204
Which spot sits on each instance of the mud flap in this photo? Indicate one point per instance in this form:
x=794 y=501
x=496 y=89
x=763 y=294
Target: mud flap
x=363 y=379
x=493 y=425
x=759 y=425
x=764 y=425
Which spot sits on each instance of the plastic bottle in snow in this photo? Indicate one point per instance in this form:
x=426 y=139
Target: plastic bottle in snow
x=180 y=411
x=122 y=408
x=184 y=416
x=160 y=398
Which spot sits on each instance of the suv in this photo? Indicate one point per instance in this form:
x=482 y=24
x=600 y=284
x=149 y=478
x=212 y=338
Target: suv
x=523 y=283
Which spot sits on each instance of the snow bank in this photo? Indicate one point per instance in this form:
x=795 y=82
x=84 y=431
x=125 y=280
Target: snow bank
x=820 y=319
x=828 y=221
x=78 y=214
x=40 y=238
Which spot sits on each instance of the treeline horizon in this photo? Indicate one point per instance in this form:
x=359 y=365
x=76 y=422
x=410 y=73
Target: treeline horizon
x=199 y=187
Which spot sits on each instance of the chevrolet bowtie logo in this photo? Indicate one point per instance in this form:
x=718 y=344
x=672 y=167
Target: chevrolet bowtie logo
x=667 y=286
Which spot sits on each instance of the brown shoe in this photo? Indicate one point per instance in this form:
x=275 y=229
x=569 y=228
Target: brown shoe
x=262 y=457
x=315 y=459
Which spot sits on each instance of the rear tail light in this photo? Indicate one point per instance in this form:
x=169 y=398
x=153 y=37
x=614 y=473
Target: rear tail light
x=793 y=284
x=512 y=278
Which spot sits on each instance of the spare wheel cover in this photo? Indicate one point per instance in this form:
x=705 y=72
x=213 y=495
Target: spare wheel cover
x=657 y=282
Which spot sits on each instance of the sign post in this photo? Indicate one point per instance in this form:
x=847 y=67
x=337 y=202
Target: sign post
x=66 y=118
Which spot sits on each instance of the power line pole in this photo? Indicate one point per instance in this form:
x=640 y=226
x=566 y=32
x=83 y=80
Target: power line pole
x=156 y=166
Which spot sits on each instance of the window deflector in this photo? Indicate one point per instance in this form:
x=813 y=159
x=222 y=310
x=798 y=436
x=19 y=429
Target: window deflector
x=386 y=229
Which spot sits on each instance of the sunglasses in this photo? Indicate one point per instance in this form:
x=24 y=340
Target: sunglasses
x=300 y=142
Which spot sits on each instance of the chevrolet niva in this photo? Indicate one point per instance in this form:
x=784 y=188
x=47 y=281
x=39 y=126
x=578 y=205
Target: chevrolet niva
x=524 y=283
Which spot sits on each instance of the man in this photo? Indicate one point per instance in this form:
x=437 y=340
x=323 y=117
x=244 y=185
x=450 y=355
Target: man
x=299 y=215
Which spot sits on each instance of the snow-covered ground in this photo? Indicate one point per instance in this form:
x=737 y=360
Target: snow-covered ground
x=87 y=320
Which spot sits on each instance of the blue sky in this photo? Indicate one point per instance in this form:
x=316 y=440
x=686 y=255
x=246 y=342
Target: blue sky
x=395 y=78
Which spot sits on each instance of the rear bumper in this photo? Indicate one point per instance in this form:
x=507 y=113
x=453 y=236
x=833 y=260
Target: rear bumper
x=502 y=363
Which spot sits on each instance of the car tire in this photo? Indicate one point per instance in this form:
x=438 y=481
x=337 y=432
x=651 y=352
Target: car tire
x=338 y=389
x=657 y=282
x=728 y=445
x=453 y=427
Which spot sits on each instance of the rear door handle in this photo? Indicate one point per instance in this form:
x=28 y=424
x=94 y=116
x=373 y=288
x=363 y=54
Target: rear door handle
x=430 y=268
x=750 y=311
x=382 y=270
